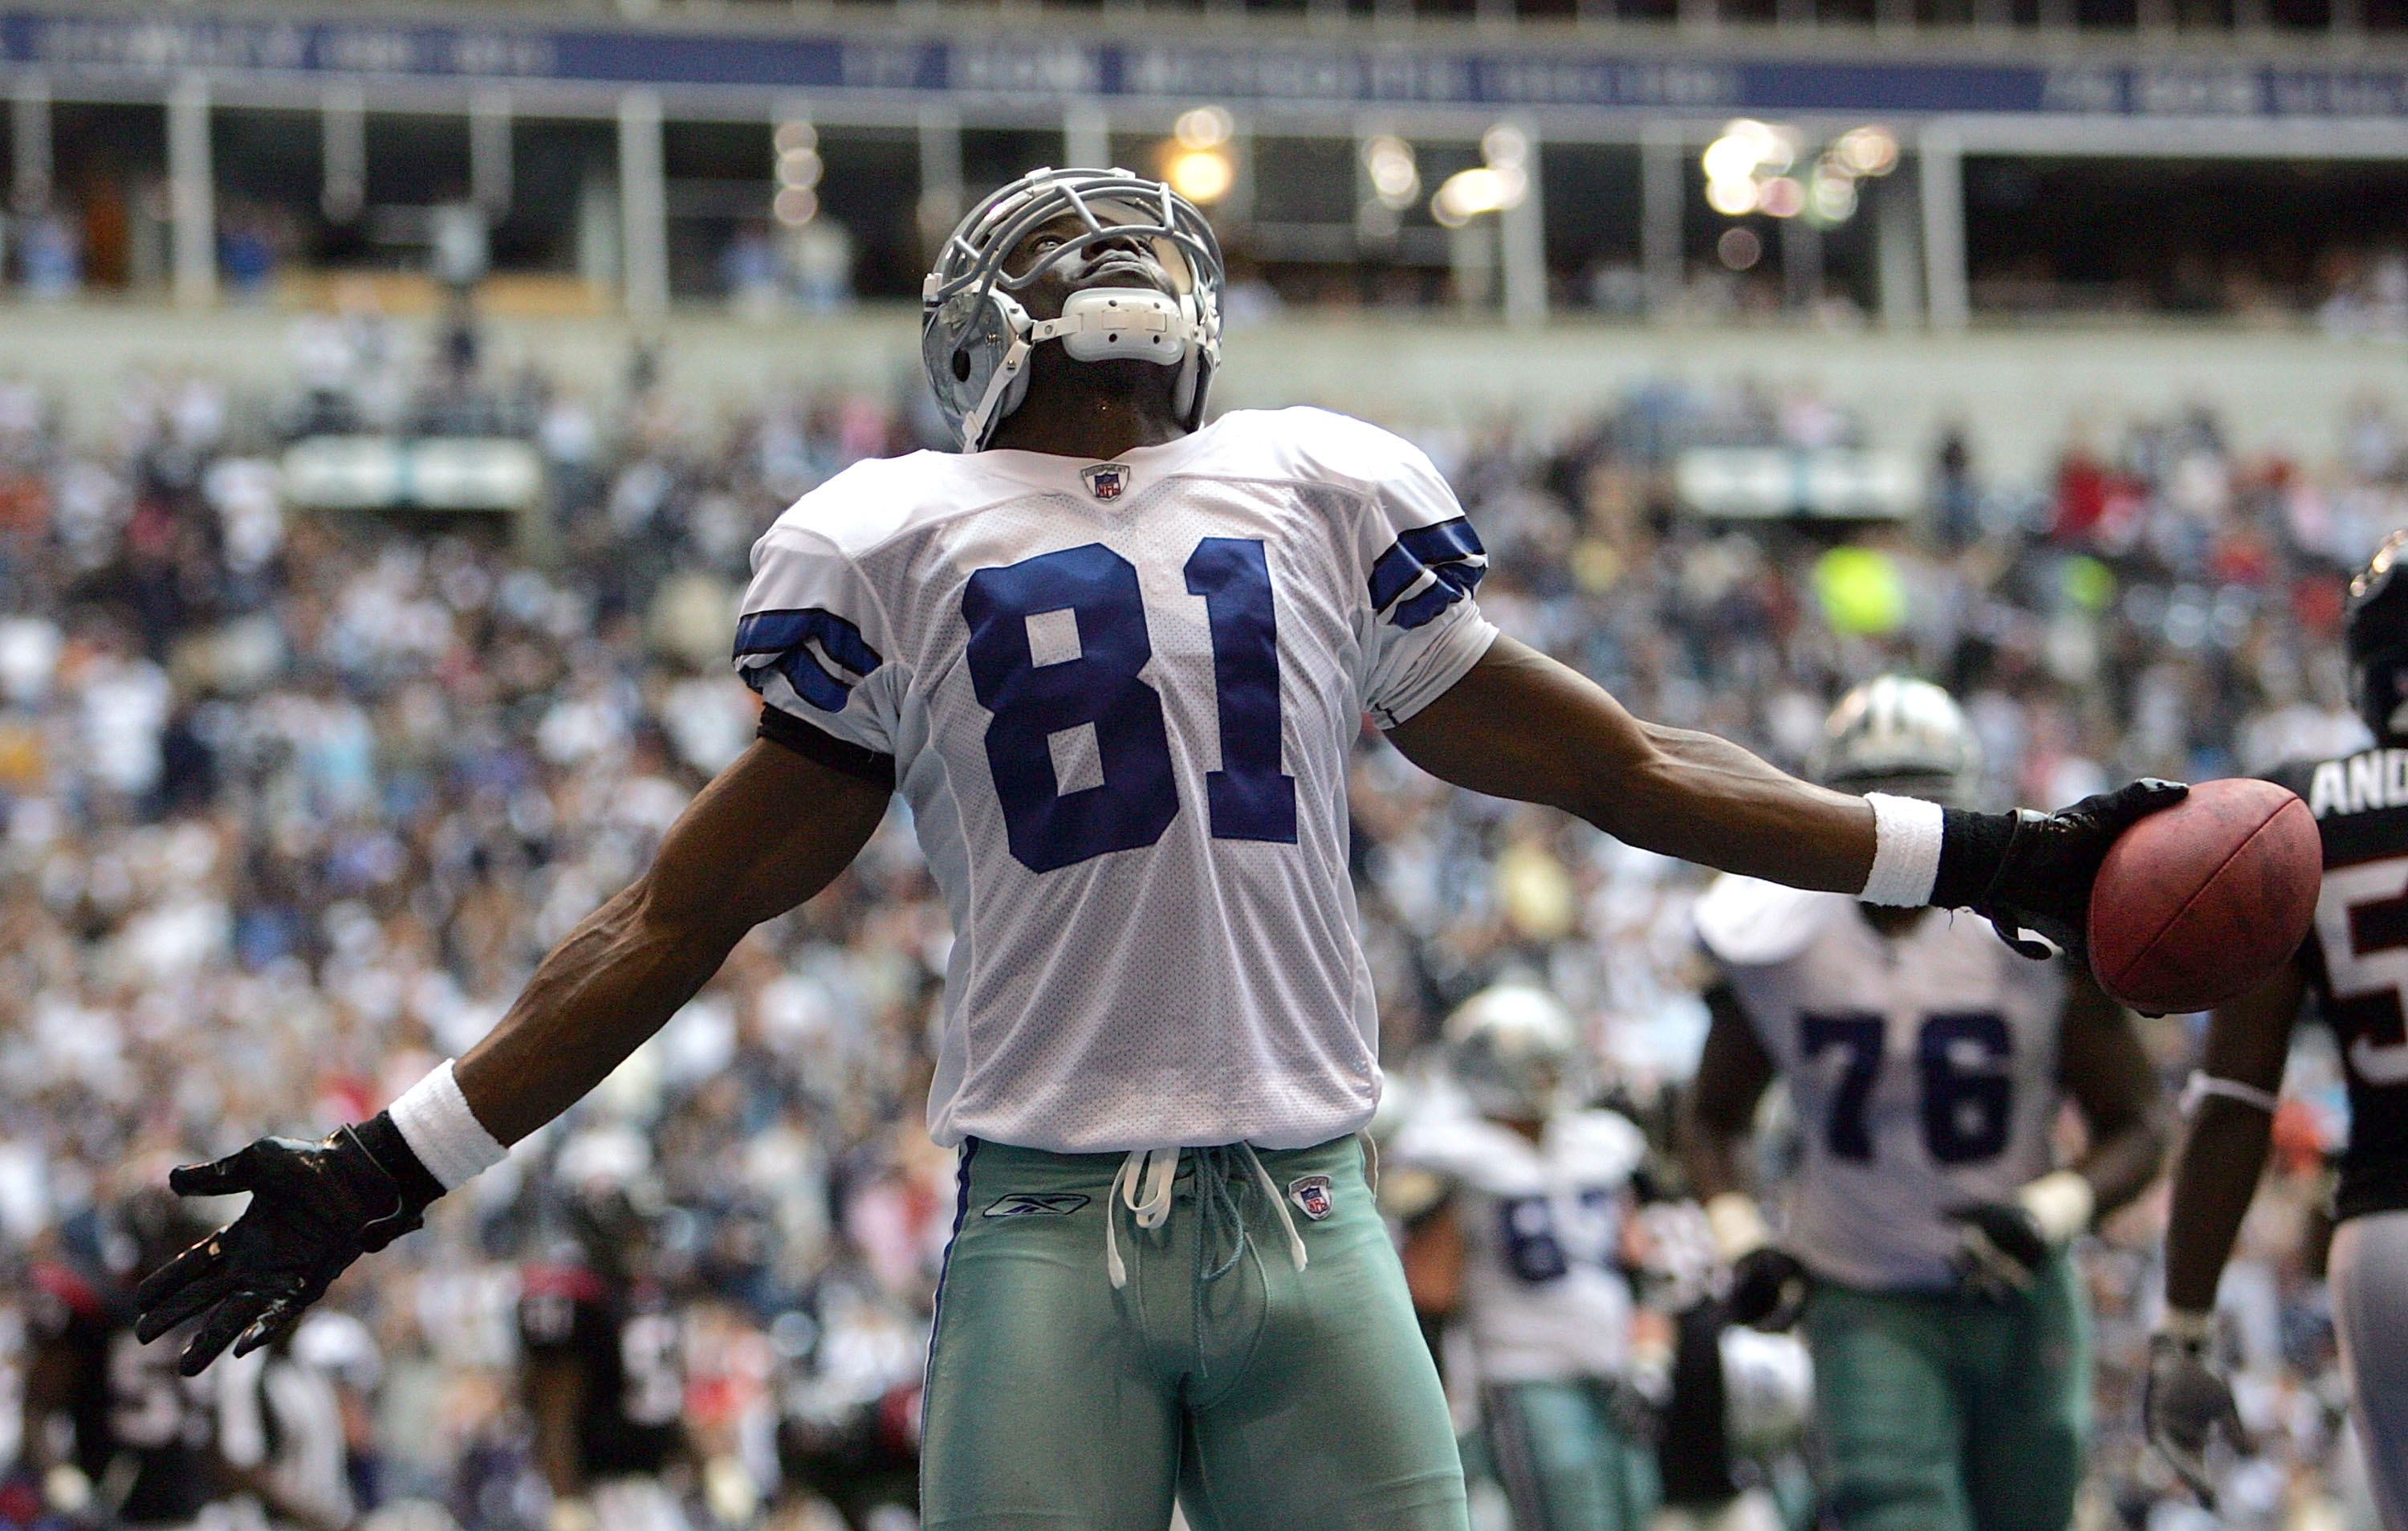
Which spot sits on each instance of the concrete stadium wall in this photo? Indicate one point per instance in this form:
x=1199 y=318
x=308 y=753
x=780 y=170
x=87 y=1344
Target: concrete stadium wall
x=2020 y=393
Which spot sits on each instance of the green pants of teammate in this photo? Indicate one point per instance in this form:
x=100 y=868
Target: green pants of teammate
x=1951 y=1412
x=1266 y=1397
x=1565 y=1461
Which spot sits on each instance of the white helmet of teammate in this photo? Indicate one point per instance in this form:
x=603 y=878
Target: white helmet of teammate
x=1896 y=734
x=1768 y=1386
x=1514 y=1050
x=975 y=336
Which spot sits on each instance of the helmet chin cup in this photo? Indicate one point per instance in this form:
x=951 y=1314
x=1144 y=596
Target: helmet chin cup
x=1122 y=323
x=976 y=340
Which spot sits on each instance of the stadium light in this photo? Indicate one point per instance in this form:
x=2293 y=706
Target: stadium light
x=799 y=171
x=1782 y=197
x=1203 y=176
x=1396 y=176
x=1733 y=197
x=1483 y=188
x=1203 y=128
x=1503 y=181
x=1505 y=146
x=1868 y=150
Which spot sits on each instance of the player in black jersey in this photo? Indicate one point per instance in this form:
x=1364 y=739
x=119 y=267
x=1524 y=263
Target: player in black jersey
x=141 y=1434
x=142 y=1444
x=605 y=1372
x=2354 y=964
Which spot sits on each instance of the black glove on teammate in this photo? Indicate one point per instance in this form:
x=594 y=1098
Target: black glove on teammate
x=1999 y=1248
x=314 y=1209
x=2029 y=871
x=1768 y=1289
x=2181 y=1406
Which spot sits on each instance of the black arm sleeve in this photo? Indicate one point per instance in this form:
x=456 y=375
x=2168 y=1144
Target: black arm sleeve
x=784 y=728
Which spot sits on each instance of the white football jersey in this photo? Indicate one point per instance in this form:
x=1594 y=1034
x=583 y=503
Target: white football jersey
x=1923 y=1068
x=1544 y=1296
x=1119 y=698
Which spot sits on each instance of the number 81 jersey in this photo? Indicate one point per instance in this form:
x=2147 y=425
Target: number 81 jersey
x=1119 y=699
x=1922 y=1067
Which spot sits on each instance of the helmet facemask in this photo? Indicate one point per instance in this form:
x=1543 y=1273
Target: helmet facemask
x=977 y=336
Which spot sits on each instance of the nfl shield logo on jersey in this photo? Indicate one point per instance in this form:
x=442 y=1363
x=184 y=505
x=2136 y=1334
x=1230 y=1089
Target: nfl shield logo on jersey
x=1311 y=1193
x=1105 y=481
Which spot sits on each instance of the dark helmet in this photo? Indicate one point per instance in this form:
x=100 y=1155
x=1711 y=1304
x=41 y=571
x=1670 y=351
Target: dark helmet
x=2376 y=633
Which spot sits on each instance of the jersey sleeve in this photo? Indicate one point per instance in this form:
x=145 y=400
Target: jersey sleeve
x=809 y=641
x=1420 y=628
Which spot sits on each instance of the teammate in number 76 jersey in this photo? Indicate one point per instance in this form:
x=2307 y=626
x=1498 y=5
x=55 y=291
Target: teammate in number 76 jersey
x=1114 y=657
x=1928 y=1225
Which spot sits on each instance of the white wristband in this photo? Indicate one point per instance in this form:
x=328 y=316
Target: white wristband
x=1906 y=851
x=1738 y=1227
x=2203 y=1084
x=434 y=1121
x=2061 y=1203
x=2187 y=1325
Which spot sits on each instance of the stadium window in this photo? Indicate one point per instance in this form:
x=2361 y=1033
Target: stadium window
x=870 y=189
x=108 y=224
x=2262 y=241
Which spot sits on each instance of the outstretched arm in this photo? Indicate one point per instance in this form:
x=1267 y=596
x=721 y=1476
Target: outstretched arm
x=2185 y=1401
x=774 y=828
x=2217 y=1176
x=1519 y=725
x=771 y=831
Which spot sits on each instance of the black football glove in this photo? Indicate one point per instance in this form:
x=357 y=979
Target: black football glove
x=1999 y=1248
x=314 y=1209
x=2182 y=1404
x=2049 y=861
x=1768 y=1289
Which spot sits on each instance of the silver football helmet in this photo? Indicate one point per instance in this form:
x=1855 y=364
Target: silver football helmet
x=1515 y=1052
x=1895 y=734
x=975 y=336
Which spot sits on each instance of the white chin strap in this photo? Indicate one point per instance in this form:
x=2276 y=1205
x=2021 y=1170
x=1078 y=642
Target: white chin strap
x=1101 y=324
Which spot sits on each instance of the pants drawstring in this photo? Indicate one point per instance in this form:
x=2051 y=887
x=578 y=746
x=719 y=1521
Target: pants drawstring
x=1142 y=1185
x=1279 y=1205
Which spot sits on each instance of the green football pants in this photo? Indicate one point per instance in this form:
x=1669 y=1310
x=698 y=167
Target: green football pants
x=1565 y=1461
x=1943 y=1411
x=1266 y=1397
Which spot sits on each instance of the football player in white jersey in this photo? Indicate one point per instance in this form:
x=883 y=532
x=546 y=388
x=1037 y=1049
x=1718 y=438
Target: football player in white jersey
x=1523 y=1248
x=1927 y=1221
x=1113 y=657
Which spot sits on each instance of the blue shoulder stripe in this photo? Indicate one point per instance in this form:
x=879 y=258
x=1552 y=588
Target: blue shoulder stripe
x=789 y=635
x=1448 y=550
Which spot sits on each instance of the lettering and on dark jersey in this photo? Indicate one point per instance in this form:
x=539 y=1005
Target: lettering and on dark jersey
x=143 y=1435
x=2356 y=960
x=626 y=1341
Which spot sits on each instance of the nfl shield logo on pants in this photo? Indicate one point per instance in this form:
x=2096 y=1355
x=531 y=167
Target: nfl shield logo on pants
x=1311 y=1193
x=1105 y=481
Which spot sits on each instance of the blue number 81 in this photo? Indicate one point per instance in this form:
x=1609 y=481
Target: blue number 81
x=1250 y=798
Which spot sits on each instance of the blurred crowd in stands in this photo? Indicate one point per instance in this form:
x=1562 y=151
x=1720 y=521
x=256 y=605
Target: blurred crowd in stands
x=292 y=802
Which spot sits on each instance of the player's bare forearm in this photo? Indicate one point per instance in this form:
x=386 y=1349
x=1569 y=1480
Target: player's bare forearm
x=2107 y=1071
x=1719 y=1112
x=555 y=1391
x=2215 y=1177
x=1519 y=725
x=771 y=830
